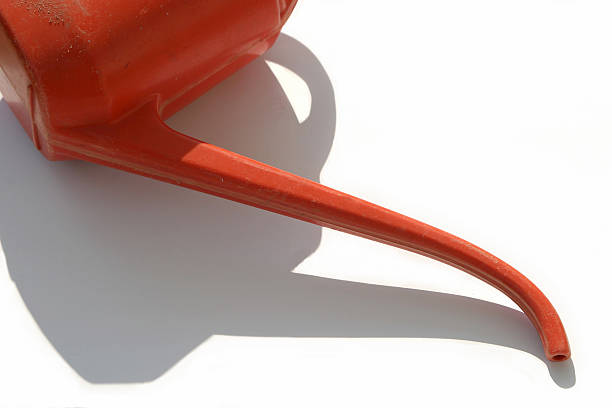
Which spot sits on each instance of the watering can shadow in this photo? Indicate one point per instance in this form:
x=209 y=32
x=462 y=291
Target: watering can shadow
x=126 y=288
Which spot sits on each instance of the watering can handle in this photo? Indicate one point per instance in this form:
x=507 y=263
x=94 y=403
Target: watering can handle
x=141 y=143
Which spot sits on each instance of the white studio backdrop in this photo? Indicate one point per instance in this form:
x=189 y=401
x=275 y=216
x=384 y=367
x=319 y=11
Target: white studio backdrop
x=489 y=119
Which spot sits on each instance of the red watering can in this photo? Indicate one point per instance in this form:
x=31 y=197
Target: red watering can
x=94 y=81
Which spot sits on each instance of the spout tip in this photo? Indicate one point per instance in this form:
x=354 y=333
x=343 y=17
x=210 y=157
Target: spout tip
x=556 y=345
x=559 y=354
x=559 y=357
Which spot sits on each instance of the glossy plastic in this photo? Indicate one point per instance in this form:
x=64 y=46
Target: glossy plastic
x=94 y=80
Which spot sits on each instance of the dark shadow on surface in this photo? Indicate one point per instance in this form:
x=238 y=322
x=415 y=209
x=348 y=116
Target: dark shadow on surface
x=125 y=275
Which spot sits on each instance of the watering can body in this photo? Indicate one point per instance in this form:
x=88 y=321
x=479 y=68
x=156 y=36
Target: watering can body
x=72 y=63
x=94 y=81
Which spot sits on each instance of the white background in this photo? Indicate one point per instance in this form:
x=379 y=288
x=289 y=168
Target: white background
x=490 y=119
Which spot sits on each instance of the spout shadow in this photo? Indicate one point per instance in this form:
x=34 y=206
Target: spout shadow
x=125 y=275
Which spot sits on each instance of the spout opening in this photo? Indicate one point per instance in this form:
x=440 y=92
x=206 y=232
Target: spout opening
x=560 y=357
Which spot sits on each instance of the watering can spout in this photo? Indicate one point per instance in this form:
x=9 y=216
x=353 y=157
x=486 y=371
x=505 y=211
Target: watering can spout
x=170 y=156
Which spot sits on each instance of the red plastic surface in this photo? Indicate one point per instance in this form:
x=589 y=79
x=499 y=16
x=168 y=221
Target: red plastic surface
x=94 y=80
